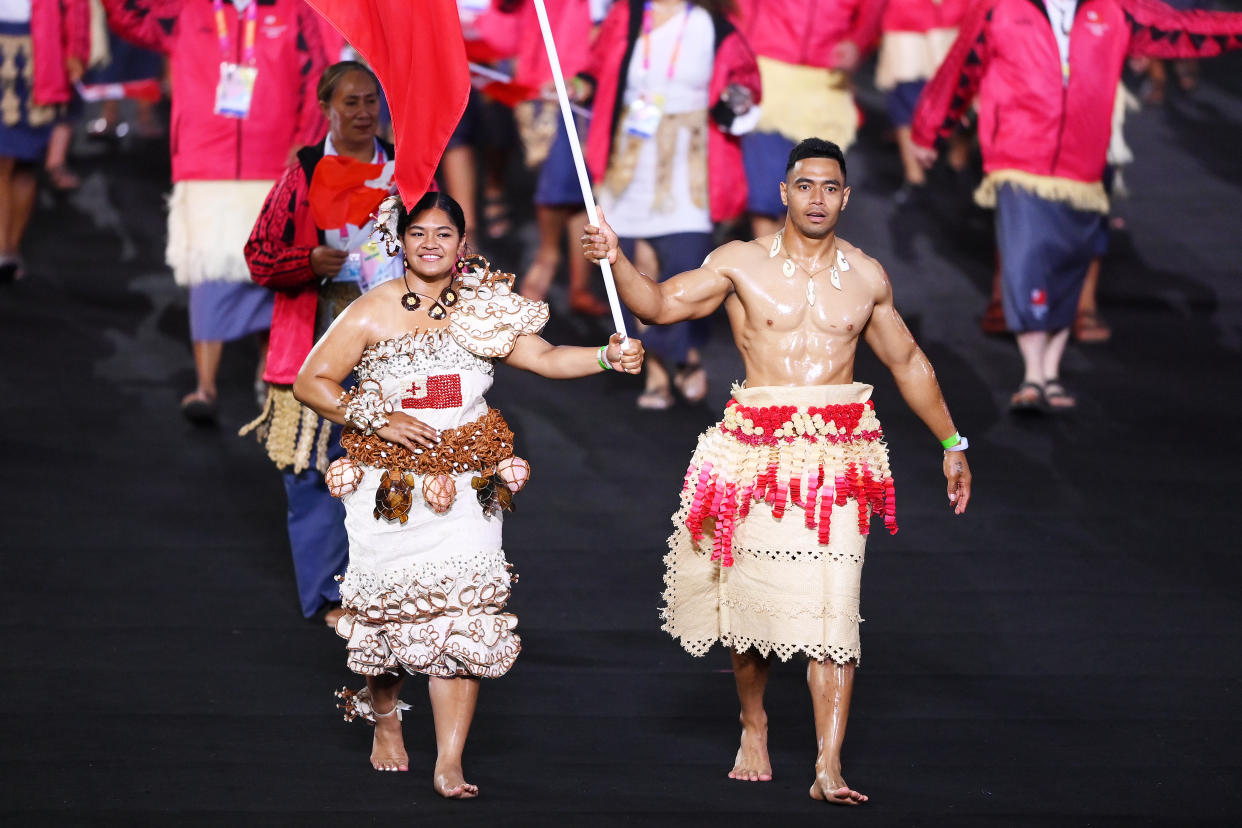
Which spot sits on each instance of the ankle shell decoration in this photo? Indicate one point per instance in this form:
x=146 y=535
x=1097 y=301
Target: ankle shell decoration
x=342 y=477
x=439 y=491
x=514 y=471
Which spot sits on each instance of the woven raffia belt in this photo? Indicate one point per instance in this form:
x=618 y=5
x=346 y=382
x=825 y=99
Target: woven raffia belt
x=480 y=444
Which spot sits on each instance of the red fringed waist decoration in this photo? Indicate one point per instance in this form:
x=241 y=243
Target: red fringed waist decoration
x=771 y=425
x=725 y=490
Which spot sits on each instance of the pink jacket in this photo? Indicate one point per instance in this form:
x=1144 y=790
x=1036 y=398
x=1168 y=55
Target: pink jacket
x=284 y=114
x=804 y=32
x=516 y=34
x=922 y=15
x=1029 y=120
x=59 y=29
x=735 y=63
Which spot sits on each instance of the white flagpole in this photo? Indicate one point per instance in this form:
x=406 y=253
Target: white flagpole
x=566 y=113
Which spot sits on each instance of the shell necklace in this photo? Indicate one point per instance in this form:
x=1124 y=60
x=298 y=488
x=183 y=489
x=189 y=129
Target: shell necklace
x=789 y=267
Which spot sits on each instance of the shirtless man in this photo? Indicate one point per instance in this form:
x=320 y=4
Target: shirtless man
x=801 y=435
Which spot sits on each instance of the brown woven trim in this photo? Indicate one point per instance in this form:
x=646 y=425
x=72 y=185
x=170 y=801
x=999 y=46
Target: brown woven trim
x=477 y=445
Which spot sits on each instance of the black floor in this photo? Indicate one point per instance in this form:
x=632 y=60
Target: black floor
x=1065 y=654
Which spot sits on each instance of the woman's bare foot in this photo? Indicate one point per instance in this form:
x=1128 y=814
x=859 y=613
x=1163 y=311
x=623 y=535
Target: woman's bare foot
x=388 y=747
x=450 y=783
x=752 y=763
x=831 y=787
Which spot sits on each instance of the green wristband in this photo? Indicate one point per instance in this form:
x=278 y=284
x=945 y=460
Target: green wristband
x=603 y=363
x=950 y=442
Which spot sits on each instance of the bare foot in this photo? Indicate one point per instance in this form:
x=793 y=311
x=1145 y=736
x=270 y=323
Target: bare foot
x=388 y=747
x=752 y=763
x=450 y=783
x=831 y=787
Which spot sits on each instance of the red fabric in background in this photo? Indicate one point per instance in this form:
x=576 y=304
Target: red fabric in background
x=419 y=55
x=338 y=191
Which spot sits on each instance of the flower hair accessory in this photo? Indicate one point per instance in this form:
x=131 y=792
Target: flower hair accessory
x=386 y=216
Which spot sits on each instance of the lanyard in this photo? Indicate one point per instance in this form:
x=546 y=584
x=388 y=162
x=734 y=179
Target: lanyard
x=248 y=33
x=648 y=20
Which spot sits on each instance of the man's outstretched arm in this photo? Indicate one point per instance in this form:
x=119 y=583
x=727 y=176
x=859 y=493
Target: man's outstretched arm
x=690 y=295
x=890 y=339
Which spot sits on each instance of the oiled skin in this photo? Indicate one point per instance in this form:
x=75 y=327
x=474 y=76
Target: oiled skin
x=784 y=338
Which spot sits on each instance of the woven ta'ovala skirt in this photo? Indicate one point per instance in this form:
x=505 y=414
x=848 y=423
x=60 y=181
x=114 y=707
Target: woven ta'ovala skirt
x=767 y=547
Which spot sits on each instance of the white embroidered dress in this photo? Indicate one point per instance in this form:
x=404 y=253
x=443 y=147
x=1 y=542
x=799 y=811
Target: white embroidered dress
x=428 y=595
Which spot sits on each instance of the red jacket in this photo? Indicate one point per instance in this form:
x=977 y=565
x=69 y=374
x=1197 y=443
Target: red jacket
x=284 y=113
x=59 y=29
x=278 y=253
x=1028 y=119
x=922 y=15
x=804 y=32
x=516 y=34
x=735 y=63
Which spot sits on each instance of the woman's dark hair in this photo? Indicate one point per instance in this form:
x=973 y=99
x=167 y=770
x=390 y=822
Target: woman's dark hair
x=433 y=200
x=718 y=8
x=332 y=76
x=815 y=148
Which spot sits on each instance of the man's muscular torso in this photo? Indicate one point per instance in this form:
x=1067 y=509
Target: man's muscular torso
x=783 y=338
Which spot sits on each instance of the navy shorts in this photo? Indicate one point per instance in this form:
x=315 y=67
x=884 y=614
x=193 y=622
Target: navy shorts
x=676 y=253
x=764 y=156
x=1045 y=248
x=558 y=178
x=901 y=101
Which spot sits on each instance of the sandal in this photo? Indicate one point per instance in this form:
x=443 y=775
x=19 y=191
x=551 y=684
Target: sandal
x=585 y=303
x=691 y=381
x=199 y=408
x=1090 y=328
x=1057 y=397
x=1028 y=399
x=658 y=399
x=496 y=217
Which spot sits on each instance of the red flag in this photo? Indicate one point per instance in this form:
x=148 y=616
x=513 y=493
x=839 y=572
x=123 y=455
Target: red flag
x=417 y=51
x=339 y=191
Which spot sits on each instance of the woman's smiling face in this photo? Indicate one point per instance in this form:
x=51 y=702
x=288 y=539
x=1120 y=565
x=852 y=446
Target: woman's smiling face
x=432 y=244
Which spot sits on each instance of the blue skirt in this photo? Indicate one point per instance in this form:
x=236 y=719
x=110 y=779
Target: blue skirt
x=224 y=311
x=25 y=127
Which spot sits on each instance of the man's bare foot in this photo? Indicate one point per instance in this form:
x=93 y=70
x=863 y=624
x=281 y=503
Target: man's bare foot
x=450 y=783
x=388 y=746
x=752 y=763
x=831 y=787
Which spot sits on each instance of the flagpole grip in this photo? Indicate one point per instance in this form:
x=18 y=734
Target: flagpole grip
x=610 y=286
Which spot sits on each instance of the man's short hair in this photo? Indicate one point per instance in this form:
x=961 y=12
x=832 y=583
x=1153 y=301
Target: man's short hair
x=815 y=148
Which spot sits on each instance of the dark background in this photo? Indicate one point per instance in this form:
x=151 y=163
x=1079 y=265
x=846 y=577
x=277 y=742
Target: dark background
x=1064 y=654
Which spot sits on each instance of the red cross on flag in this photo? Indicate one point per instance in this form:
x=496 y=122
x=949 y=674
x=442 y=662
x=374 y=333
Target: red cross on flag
x=417 y=51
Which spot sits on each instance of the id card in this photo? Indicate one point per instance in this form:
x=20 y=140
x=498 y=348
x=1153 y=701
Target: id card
x=351 y=270
x=375 y=266
x=642 y=118
x=235 y=91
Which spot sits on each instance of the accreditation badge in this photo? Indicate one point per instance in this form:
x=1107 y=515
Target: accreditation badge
x=642 y=118
x=376 y=266
x=235 y=91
